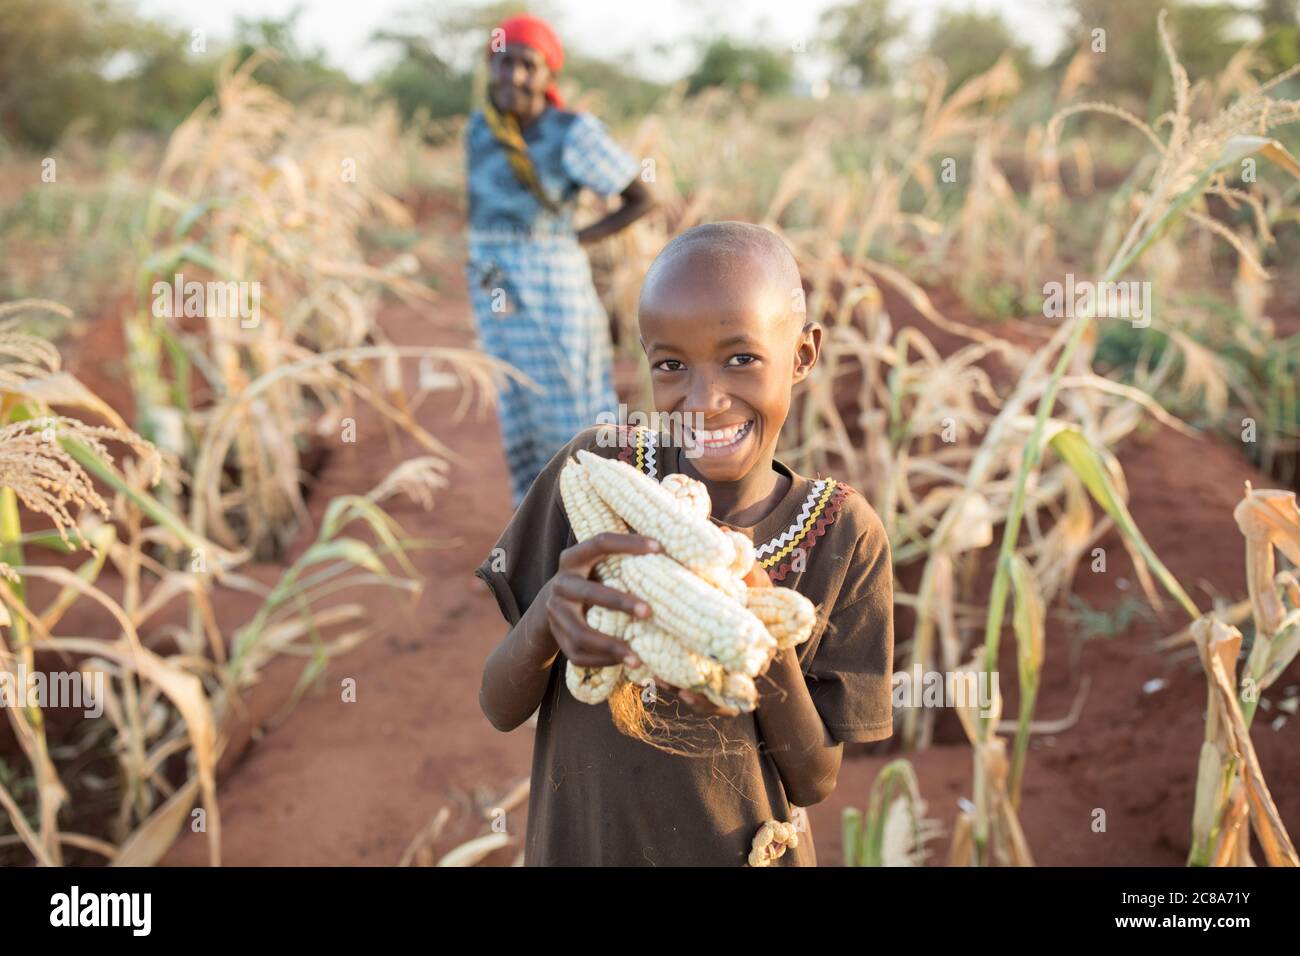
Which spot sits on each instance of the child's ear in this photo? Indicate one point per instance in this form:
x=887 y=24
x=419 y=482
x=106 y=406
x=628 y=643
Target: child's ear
x=807 y=350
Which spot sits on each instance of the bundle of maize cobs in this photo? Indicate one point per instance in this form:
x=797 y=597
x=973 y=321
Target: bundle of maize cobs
x=771 y=841
x=708 y=632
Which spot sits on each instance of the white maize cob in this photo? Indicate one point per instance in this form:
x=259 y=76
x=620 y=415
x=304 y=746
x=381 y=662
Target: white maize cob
x=743 y=562
x=592 y=685
x=597 y=683
x=726 y=582
x=588 y=514
x=787 y=614
x=672 y=662
x=699 y=616
x=738 y=690
x=652 y=510
x=639 y=675
x=607 y=620
x=690 y=493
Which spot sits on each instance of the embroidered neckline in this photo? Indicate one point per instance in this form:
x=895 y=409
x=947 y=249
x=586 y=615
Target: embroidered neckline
x=640 y=448
x=819 y=495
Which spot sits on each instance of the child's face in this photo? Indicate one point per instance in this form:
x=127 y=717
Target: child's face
x=729 y=348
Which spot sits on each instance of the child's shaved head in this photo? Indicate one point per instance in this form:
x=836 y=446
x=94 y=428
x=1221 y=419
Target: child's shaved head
x=723 y=327
x=735 y=256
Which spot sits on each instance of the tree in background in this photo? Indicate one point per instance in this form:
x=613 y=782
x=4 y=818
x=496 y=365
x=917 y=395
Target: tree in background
x=1132 y=65
x=95 y=63
x=857 y=34
x=623 y=95
x=439 y=47
x=732 y=65
x=420 y=81
x=53 y=54
x=969 y=42
x=296 y=73
x=1280 y=20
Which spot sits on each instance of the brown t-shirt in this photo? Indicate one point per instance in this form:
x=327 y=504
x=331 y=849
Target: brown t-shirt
x=601 y=798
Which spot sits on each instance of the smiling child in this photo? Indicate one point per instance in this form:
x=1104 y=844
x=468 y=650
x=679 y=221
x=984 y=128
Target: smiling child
x=727 y=341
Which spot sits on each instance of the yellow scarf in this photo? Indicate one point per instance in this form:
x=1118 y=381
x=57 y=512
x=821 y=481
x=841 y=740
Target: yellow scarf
x=505 y=127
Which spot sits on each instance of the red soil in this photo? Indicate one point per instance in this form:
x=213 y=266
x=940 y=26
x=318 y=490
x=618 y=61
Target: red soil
x=353 y=783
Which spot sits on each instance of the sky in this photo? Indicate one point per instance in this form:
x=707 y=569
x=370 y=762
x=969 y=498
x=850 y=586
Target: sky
x=626 y=31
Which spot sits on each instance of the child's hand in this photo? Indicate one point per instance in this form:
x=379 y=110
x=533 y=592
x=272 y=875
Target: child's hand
x=572 y=591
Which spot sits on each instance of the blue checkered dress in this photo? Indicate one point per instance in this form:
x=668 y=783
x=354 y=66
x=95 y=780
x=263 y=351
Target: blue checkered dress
x=530 y=282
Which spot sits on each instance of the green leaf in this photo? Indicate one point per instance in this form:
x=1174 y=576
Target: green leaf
x=1074 y=449
x=191 y=215
x=165 y=261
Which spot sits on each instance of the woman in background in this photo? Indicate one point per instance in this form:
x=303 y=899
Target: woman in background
x=529 y=278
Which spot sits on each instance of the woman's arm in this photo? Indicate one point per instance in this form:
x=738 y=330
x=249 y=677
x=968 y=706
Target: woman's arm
x=637 y=201
x=806 y=755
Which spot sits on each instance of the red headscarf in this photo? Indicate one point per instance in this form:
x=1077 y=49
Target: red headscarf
x=536 y=33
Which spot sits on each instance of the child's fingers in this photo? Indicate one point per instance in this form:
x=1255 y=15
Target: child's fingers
x=591 y=550
x=590 y=593
x=583 y=645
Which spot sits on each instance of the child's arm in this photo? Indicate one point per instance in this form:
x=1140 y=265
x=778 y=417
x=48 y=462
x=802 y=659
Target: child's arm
x=517 y=672
x=805 y=753
x=842 y=692
x=807 y=757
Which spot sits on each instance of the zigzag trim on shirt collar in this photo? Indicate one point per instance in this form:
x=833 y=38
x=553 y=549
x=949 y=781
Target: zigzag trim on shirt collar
x=639 y=447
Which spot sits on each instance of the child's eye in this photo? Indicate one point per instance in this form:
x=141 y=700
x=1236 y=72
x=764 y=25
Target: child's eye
x=669 y=365
x=743 y=359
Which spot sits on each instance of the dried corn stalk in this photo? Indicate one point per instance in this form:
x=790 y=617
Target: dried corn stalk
x=895 y=829
x=1230 y=787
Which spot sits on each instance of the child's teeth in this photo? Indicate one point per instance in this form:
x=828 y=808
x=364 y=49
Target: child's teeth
x=721 y=436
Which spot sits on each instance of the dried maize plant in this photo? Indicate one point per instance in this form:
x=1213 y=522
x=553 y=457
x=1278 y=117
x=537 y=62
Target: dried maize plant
x=492 y=812
x=1001 y=246
x=257 y=335
x=1230 y=787
x=990 y=833
x=43 y=468
x=894 y=830
x=1193 y=159
x=170 y=677
x=1225 y=371
x=808 y=181
x=933 y=134
x=709 y=632
x=1202 y=361
x=909 y=424
x=705 y=168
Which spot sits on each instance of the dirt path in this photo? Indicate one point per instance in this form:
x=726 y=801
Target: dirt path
x=353 y=783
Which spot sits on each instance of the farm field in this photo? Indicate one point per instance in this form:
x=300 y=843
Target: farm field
x=250 y=457
x=391 y=792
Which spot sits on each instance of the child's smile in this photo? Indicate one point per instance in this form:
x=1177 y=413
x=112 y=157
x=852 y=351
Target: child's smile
x=721 y=441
